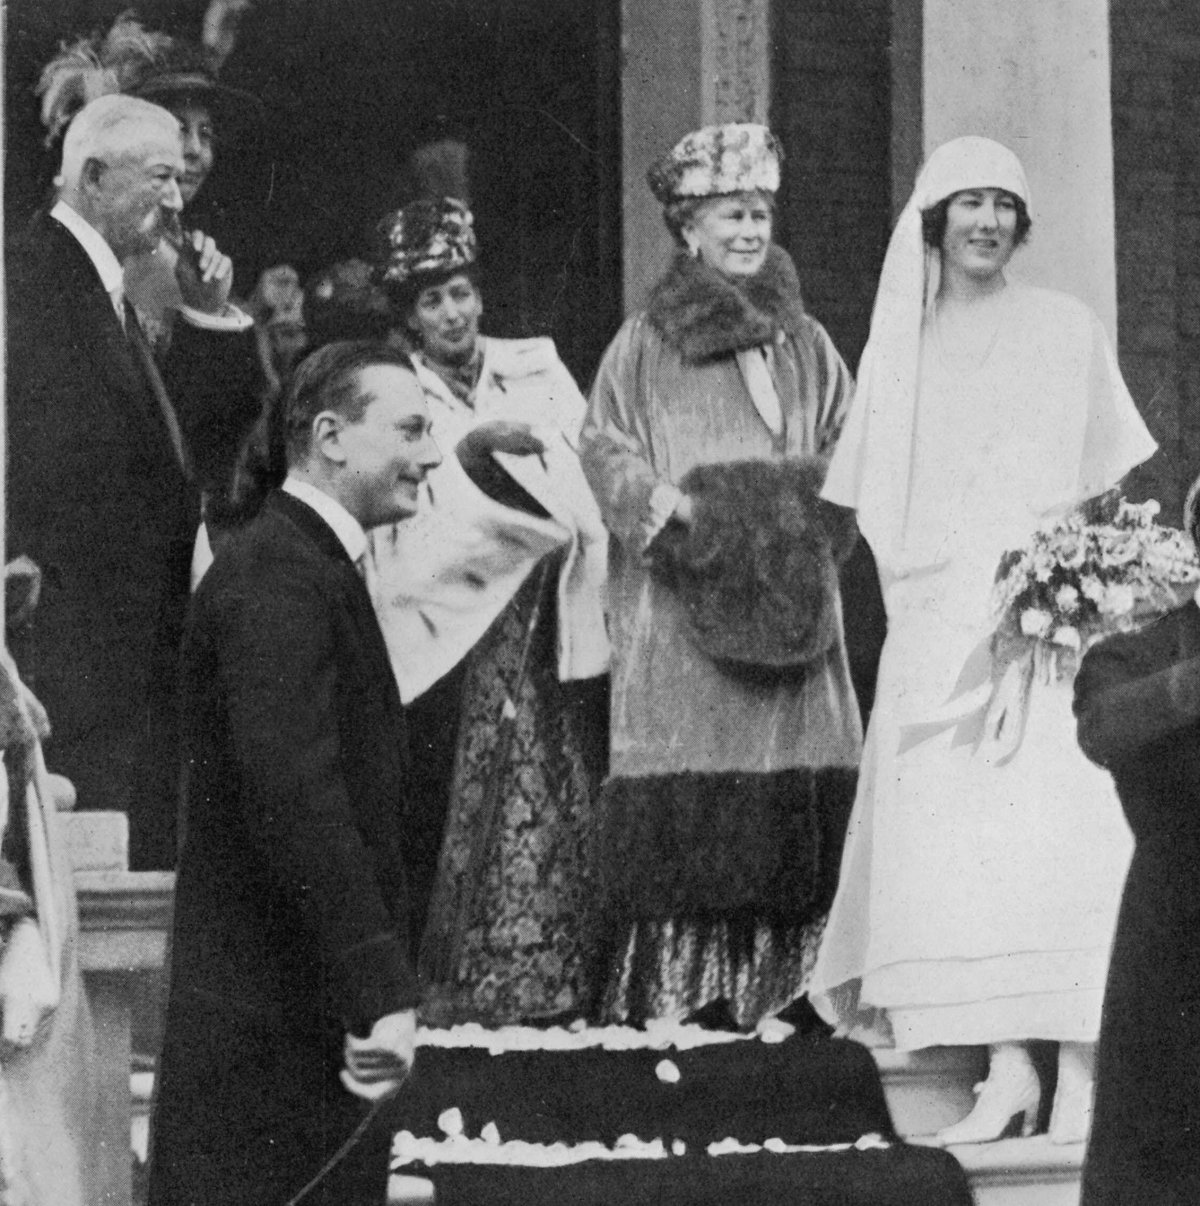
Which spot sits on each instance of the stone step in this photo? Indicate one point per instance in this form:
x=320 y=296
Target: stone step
x=1023 y=1172
x=927 y=1090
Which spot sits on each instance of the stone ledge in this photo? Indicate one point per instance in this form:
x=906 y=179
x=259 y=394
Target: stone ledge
x=124 y=919
x=96 y=841
x=1020 y=1161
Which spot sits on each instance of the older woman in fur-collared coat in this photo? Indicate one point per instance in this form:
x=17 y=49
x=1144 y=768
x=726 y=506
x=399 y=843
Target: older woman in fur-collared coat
x=735 y=731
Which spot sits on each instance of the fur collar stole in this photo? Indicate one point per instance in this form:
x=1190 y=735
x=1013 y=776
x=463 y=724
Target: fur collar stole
x=704 y=314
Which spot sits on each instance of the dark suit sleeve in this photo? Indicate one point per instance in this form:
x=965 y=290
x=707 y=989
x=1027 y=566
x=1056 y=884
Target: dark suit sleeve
x=283 y=671
x=216 y=383
x=1125 y=699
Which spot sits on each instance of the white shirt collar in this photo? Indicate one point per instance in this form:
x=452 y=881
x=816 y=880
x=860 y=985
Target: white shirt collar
x=103 y=257
x=345 y=527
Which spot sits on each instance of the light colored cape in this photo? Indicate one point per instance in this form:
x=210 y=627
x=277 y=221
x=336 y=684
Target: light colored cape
x=441 y=578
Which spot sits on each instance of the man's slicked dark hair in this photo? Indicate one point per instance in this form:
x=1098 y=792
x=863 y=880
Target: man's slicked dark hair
x=328 y=380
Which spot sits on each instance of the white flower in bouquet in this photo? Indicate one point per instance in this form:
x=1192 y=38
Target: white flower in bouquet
x=1144 y=513
x=1123 y=550
x=1092 y=588
x=1118 y=600
x=1035 y=622
x=1066 y=599
x=1073 y=553
x=1077 y=579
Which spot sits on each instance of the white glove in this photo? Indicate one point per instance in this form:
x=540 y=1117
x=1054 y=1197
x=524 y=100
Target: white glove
x=28 y=992
x=376 y=1066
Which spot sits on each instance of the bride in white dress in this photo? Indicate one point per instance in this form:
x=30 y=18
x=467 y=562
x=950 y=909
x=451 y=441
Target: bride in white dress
x=979 y=886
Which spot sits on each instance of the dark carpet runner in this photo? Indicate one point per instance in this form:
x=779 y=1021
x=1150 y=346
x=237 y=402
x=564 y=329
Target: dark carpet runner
x=810 y=1090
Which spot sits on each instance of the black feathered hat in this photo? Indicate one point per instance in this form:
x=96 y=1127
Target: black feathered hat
x=139 y=62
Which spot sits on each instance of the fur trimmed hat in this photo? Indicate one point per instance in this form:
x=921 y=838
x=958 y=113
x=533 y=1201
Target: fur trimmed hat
x=426 y=237
x=711 y=162
x=757 y=567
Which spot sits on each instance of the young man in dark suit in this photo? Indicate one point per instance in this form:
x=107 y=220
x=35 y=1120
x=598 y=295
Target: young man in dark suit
x=292 y=993
x=98 y=493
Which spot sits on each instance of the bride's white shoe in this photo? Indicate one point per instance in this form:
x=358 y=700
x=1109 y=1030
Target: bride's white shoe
x=1071 y=1116
x=1006 y=1103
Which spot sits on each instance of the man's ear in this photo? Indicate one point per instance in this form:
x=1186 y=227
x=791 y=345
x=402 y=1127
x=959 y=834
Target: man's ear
x=92 y=173
x=327 y=436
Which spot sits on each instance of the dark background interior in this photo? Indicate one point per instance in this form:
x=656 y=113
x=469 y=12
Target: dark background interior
x=351 y=89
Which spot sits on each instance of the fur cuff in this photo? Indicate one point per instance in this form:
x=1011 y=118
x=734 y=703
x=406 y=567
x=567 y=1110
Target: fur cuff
x=756 y=569
x=703 y=846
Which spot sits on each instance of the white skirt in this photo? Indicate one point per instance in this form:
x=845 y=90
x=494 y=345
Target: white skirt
x=977 y=902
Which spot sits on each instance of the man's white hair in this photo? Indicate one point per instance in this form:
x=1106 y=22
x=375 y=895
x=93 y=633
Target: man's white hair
x=109 y=127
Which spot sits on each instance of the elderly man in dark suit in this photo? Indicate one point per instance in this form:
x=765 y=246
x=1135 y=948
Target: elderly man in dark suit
x=292 y=992
x=98 y=485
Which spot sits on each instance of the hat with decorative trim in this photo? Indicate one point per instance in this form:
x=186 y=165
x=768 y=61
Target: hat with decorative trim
x=716 y=160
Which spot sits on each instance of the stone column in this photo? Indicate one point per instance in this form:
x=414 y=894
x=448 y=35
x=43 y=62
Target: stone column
x=686 y=64
x=1033 y=74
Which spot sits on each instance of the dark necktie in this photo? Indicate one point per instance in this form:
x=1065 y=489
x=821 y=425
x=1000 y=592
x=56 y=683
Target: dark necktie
x=145 y=357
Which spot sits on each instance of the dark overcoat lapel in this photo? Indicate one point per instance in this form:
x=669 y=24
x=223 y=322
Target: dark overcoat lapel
x=99 y=332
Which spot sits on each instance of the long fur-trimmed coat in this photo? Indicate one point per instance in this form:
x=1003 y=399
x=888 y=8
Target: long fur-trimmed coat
x=692 y=742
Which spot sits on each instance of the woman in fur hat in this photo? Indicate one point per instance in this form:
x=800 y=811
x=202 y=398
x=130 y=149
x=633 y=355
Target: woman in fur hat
x=965 y=914
x=491 y=601
x=735 y=732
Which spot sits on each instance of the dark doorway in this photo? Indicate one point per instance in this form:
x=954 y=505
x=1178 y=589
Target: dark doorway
x=352 y=89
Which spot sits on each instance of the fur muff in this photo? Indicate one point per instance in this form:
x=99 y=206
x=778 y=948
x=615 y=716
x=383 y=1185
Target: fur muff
x=729 y=845
x=704 y=314
x=757 y=567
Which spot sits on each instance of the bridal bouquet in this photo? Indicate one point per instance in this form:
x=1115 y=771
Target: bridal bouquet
x=1077 y=580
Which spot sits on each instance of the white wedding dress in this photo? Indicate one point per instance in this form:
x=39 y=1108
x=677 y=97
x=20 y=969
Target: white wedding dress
x=977 y=900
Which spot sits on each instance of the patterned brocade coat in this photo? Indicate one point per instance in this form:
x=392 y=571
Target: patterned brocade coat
x=735 y=790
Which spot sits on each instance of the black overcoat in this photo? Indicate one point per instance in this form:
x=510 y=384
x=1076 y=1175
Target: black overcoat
x=1137 y=701
x=97 y=497
x=291 y=899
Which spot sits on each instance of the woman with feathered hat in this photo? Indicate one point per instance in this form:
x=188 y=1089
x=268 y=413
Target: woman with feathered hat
x=965 y=913
x=491 y=601
x=735 y=733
